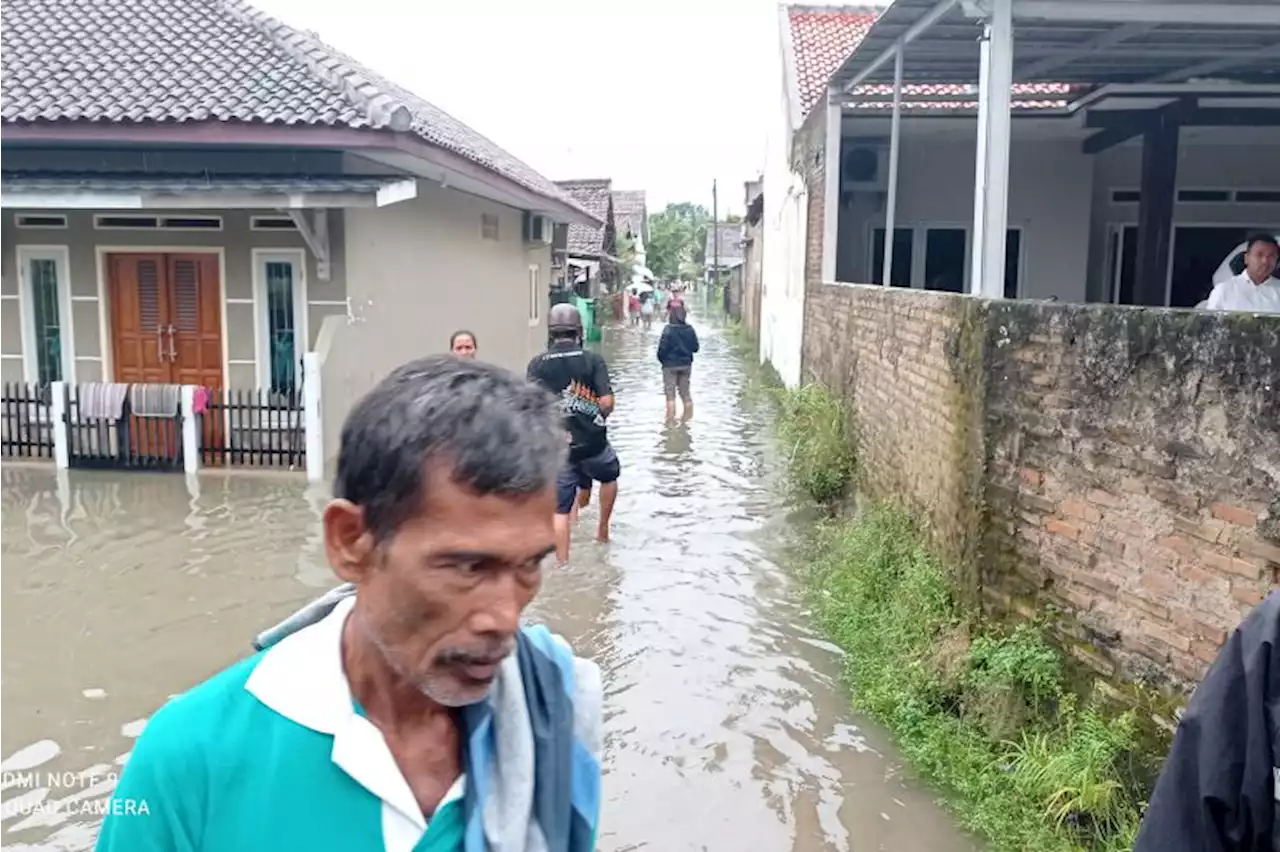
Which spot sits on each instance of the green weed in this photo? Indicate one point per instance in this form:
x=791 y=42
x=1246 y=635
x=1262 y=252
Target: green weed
x=982 y=712
x=813 y=429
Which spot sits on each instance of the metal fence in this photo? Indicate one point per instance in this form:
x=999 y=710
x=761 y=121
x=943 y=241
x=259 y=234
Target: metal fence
x=255 y=429
x=26 y=428
x=130 y=442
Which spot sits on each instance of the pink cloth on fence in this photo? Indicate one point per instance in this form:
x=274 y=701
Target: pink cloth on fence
x=201 y=401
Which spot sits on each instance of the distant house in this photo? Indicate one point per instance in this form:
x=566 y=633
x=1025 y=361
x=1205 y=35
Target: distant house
x=592 y=247
x=631 y=219
x=724 y=258
x=196 y=193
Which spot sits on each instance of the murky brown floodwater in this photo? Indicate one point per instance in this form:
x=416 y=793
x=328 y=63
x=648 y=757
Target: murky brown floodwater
x=725 y=727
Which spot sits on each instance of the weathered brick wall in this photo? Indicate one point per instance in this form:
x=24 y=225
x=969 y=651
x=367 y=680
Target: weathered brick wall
x=1133 y=476
x=914 y=409
x=1122 y=464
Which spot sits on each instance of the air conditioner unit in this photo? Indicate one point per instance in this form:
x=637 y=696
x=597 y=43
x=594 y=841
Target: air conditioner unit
x=538 y=229
x=864 y=166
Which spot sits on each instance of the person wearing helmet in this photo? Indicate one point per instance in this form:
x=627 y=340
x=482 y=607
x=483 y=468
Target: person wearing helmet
x=581 y=379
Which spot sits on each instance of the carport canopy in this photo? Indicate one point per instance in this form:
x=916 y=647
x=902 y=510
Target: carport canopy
x=305 y=199
x=1177 y=62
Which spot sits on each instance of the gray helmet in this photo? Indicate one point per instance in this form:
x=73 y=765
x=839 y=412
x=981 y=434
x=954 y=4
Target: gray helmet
x=564 y=318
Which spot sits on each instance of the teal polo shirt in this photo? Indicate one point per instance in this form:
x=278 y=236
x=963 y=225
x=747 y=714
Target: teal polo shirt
x=272 y=755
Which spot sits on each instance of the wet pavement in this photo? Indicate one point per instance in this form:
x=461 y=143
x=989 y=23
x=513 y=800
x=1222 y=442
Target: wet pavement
x=726 y=729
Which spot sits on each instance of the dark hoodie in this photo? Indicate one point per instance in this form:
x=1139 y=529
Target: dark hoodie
x=678 y=344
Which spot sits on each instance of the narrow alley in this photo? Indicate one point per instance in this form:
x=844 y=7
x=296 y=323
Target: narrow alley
x=726 y=726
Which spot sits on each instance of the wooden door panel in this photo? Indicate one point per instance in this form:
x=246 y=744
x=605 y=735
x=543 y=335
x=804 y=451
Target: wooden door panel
x=196 y=317
x=139 y=311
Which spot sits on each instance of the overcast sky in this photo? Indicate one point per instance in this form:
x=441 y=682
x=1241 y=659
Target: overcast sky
x=660 y=95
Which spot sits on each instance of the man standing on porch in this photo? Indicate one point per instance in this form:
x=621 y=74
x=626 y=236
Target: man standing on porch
x=1256 y=288
x=413 y=712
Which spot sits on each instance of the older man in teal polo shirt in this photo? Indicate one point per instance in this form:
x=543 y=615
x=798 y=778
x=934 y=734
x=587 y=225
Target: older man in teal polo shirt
x=415 y=714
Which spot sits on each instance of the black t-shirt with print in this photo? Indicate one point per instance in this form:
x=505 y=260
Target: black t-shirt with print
x=580 y=378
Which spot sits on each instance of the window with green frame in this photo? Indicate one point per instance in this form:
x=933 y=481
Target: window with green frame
x=48 y=320
x=281 y=338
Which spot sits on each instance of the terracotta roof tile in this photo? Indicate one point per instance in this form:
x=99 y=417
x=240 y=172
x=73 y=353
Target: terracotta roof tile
x=630 y=213
x=823 y=37
x=203 y=60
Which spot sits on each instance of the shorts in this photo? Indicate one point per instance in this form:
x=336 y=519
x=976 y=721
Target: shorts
x=603 y=467
x=676 y=379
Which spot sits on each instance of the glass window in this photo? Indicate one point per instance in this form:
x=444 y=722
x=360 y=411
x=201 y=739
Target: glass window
x=902 y=241
x=944 y=259
x=1012 y=258
x=281 y=340
x=48 y=322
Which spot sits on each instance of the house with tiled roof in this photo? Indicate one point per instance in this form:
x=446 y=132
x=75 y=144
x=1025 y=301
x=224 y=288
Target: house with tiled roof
x=631 y=219
x=591 y=250
x=1096 y=93
x=195 y=192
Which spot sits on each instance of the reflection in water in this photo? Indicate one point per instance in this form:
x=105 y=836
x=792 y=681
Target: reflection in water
x=725 y=728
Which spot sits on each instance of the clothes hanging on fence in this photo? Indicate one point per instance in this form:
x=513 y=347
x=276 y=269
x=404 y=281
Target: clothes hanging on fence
x=202 y=399
x=101 y=400
x=155 y=400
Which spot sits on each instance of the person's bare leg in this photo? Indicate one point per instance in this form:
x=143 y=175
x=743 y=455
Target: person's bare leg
x=688 y=409
x=608 y=496
x=671 y=410
x=584 y=498
x=562 y=538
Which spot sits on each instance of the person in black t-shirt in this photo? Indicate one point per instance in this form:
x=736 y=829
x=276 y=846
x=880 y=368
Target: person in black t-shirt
x=581 y=379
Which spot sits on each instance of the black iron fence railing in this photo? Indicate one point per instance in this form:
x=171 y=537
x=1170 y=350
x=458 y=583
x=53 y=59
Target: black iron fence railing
x=26 y=430
x=101 y=440
x=259 y=428
x=101 y=427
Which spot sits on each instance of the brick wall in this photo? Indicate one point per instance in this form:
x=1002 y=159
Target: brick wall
x=912 y=405
x=1121 y=464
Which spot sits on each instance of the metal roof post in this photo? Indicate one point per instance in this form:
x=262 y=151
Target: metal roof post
x=999 y=84
x=891 y=205
x=977 y=243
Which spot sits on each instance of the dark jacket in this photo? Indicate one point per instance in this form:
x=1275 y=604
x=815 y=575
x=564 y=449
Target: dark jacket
x=1217 y=791
x=679 y=342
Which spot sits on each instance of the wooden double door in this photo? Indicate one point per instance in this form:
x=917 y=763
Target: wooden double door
x=166 y=318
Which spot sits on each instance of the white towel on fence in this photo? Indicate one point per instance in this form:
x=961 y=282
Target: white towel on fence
x=102 y=400
x=155 y=400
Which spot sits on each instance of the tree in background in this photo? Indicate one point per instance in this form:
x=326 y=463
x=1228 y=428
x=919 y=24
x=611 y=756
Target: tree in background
x=677 y=240
x=626 y=266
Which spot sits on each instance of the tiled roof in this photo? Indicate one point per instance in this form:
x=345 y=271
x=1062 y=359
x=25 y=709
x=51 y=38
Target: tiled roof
x=822 y=37
x=630 y=212
x=16 y=181
x=730 y=234
x=130 y=61
x=593 y=196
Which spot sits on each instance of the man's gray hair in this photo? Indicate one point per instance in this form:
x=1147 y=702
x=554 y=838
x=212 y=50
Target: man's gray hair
x=496 y=432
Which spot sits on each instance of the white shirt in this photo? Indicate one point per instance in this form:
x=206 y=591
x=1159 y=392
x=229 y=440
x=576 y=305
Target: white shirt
x=1239 y=293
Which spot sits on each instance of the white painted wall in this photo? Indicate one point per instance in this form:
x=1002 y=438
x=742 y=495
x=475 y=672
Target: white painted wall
x=1050 y=196
x=783 y=225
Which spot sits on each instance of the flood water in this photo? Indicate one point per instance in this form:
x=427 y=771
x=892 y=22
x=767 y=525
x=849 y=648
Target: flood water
x=726 y=727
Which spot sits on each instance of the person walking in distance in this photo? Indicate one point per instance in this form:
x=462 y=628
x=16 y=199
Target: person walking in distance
x=463 y=344
x=676 y=348
x=581 y=378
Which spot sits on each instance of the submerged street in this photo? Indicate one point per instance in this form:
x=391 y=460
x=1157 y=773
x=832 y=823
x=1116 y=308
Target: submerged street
x=726 y=726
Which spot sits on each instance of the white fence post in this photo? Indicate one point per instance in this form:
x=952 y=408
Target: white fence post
x=311 y=416
x=58 y=426
x=190 y=434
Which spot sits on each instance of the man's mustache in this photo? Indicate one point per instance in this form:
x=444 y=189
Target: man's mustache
x=486 y=655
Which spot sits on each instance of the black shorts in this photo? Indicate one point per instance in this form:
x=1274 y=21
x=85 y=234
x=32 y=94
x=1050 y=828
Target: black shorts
x=603 y=467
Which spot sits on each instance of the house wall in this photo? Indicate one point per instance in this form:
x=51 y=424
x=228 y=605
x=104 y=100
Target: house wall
x=783 y=226
x=1122 y=464
x=90 y=311
x=1050 y=194
x=1248 y=164
x=753 y=280
x=418 y=271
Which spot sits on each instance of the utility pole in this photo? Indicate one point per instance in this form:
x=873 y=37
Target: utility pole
x=715 y=233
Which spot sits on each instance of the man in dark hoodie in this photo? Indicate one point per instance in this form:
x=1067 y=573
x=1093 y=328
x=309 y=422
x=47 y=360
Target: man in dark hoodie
x=1217 y=791
x=676 y=349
